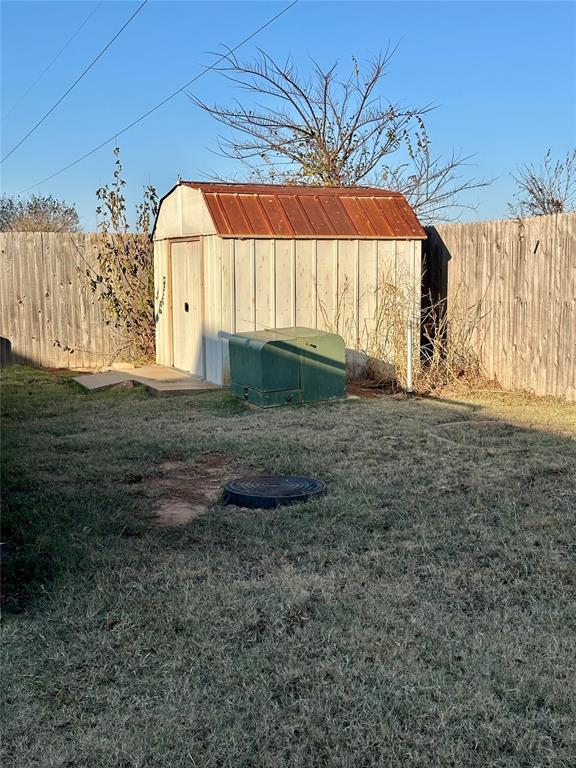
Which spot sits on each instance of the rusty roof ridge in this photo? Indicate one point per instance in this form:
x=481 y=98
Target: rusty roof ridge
x=306 y=188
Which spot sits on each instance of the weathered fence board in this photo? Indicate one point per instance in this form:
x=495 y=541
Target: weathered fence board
x=520 y=279
x=47 y=312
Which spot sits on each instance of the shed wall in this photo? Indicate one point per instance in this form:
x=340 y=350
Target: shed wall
x=252 y=284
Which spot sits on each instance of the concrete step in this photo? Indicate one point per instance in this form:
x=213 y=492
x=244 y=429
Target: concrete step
x=156 y=378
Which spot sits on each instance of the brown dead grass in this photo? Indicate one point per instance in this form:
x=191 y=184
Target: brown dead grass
x=420 y=614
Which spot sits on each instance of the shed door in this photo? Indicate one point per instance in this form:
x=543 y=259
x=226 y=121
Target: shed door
x=187 y=321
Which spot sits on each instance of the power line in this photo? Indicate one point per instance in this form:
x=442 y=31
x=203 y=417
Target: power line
x=75 y=83
x=54 y=60
x=164 y=101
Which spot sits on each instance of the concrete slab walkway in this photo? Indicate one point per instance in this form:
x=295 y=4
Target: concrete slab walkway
x=156 y=378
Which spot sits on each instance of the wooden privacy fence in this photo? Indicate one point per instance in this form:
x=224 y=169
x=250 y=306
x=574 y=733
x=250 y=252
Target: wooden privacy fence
x=47 y=313
x=518 y=278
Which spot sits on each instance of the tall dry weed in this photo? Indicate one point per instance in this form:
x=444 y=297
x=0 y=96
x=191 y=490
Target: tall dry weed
x=446 y=343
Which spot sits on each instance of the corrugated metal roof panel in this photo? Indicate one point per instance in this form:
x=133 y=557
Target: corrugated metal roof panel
x=357 y=216
x=296 y=214
x=278 y=220
x=219 y=218
x=316 y=216
x=269 y=210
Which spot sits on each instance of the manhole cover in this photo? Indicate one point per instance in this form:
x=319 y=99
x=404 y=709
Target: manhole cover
x=269 y=491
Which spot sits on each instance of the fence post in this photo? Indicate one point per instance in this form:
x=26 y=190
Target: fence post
x=409 y=357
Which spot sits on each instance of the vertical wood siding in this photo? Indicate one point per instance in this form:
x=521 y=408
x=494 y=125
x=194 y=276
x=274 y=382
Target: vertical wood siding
x=44 y=300
x=162 y=300
x=520 y=280
x=252 y=284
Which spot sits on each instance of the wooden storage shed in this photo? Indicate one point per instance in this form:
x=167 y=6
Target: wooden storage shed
x=240 y=257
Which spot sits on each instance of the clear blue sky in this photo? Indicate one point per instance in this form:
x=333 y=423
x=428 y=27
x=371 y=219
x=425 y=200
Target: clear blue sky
x=502 y=73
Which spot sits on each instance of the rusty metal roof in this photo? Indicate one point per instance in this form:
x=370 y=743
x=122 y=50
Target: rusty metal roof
x=270 y=210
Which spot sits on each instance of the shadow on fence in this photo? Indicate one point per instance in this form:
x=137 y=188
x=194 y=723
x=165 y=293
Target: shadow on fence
x=434 y=302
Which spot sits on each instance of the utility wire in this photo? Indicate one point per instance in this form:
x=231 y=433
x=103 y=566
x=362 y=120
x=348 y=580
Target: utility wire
x=54 y=60
x=164 y=101
x=75 y=83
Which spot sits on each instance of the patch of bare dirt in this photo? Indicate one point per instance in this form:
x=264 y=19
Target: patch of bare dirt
x=185 y=491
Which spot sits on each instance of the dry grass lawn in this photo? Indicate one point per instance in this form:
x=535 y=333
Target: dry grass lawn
x=421 y=613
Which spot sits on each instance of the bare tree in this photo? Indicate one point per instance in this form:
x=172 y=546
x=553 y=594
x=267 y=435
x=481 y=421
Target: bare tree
x=548 y=189
x=437 y=188
x=39 y=213
x=321 y=130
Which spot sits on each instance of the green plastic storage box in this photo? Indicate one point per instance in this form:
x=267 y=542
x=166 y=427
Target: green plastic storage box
x=284 y=366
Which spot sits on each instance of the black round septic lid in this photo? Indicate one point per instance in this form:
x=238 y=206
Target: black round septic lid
x=269 y=491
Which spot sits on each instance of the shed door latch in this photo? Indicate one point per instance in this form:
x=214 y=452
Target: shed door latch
x=186 y=307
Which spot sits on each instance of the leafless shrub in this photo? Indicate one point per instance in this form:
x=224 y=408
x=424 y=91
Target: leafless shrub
x=38 y=213
x=546 y=190
x=451 y=343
